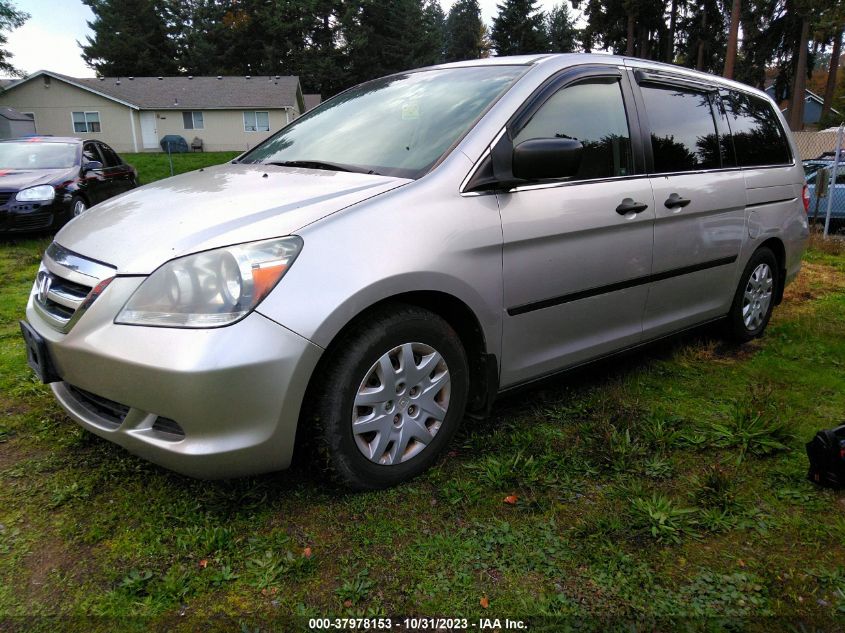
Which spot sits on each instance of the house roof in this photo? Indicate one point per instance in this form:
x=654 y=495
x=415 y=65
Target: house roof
x=186 y=93
x=13 y=115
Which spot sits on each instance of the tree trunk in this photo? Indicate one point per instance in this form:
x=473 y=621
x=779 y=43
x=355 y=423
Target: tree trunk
x=643 y=43
x=833 y=71
x=673 y=19
x=799 y=84
x=632 y=22
x=699 y=63
x=733 y=37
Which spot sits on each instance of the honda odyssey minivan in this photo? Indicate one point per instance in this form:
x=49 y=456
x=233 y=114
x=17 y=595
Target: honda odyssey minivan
x=391 y=261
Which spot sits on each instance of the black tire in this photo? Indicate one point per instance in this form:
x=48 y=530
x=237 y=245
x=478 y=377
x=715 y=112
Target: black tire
x=737 y=328
x=76 y=200
x=343 y=372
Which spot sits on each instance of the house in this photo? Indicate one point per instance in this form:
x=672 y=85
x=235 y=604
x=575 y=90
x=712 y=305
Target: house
x=812 y=106
x=14 y=124
x=132 y=114
x=312 y=101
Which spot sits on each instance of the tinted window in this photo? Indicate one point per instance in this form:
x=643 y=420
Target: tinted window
x=683 y=132
x=593 y=113
x=110 y=158
x=89 y=153
x=757 y=135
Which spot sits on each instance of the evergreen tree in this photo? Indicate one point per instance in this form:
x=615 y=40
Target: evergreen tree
x=431 y=48
x=519 y=28
x=465 y=32
x=562 y=34
x=130 y=38
x=380 y=37
x=10 y=19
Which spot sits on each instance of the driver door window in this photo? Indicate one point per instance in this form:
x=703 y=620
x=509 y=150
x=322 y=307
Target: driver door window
x=592 y=112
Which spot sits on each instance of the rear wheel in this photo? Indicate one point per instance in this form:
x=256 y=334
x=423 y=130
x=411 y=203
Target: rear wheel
x=754 y=298
x=391 y=397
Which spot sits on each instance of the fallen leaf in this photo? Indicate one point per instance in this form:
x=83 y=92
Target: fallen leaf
x=741 y=563
x=203 y=563
x=347 y=603
x=484 y=602
x=511 y=499
x=307 y=552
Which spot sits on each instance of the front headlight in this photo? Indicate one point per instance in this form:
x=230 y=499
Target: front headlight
x=213 y=288
x=41 y=193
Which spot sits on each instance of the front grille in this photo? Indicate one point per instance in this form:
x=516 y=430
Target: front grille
x=170 y=427
x=4 y=197
x=31 y=221
x=112 y=412
x=64 y=287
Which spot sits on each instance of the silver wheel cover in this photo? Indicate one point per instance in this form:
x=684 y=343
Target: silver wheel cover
x=758 y=296
x=401 y=403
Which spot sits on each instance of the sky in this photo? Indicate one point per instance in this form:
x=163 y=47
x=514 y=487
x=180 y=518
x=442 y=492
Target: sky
x=63 y=23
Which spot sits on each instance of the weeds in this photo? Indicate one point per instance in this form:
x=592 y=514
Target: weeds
x=663 y=519
x=752 y=431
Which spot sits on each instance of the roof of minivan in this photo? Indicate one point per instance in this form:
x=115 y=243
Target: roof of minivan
x=563 y=60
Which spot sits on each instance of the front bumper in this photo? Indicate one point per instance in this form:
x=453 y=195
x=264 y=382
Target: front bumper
x=24 y=217
x=235 y=391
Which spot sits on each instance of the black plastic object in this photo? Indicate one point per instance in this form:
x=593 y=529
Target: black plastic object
x=827 y=458
x=542 y=158
x=177 y=144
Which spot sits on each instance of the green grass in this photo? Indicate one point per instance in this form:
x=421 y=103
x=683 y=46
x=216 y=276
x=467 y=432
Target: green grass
x=155 y=166
x=669 y=483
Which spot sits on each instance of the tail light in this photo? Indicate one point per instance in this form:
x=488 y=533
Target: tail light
x=805 y=196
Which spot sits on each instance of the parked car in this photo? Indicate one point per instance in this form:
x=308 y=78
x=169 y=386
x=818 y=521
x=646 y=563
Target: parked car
x=46 y=181
x=395 y=258
x=818 y=205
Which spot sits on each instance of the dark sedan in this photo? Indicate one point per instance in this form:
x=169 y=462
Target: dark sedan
x=46 y=181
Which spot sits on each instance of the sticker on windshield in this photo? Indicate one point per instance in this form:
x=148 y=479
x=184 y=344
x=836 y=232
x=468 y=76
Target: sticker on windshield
x=410 y=111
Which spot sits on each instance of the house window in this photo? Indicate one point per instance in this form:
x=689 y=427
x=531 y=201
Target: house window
x=84 y=122
x=192 y=120
x=256 y=121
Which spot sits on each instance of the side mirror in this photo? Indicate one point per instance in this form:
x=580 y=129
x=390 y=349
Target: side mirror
x=91 y=165
x=541 y=158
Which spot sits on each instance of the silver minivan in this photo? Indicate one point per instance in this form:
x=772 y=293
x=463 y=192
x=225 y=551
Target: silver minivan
x=391 y=261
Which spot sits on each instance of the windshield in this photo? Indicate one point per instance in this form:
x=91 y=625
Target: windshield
x=394 y=126
x=37 y=155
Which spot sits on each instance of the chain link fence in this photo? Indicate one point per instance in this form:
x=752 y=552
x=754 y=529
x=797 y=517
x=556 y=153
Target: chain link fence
x=814 y=144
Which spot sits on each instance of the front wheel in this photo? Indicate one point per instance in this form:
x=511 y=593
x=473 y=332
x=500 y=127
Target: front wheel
x=78 y=206
x=392 y=395
x=754 y=298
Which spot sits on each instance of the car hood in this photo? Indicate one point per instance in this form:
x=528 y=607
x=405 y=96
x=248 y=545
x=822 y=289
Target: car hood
x=217 y=206
x=21 y=178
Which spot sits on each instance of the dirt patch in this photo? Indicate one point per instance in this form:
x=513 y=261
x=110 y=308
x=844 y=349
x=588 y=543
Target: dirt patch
x=815 y=281
x=54 y=556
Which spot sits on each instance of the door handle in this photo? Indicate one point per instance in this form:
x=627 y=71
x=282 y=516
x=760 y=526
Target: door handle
x=674 y=200
x=629 y=206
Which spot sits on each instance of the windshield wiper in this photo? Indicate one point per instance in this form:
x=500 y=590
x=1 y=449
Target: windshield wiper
x=321 y=164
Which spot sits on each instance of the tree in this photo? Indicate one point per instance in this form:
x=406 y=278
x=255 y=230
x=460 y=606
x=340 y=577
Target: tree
x=560 y=27
x=465 y=32
x=832 y=73
x=130 y=38
x=10 y=19
x=518 y=28
x=733 y=37
x=431 y=48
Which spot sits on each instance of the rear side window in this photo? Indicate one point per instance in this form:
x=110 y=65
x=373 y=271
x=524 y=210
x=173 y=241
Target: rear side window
x=683 y=131
x=758 y=137
x=592 y=112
